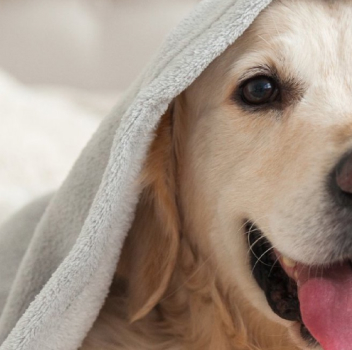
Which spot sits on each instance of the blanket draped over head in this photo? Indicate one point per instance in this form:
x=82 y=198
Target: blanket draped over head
x=58 y=255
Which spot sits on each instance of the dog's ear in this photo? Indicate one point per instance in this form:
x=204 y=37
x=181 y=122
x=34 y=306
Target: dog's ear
x=152 y=245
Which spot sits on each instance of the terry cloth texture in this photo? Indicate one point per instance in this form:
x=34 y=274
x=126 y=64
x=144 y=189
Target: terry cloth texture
x=58 y=256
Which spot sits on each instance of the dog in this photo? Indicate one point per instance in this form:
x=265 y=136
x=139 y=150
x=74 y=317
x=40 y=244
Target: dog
x=247 y=184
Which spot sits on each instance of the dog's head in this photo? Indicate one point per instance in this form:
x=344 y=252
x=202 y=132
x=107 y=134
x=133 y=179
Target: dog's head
x=263 y=172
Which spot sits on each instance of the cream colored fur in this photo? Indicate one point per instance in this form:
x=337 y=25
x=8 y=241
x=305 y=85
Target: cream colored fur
x=184 y=278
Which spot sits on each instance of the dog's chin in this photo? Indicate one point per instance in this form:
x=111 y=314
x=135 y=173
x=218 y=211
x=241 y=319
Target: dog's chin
x=280 y=290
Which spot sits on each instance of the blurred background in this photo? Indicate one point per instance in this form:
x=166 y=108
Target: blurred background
x=63 y=66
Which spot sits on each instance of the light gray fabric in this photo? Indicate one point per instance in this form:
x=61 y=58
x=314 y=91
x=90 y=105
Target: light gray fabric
x=55 y=286
x=16 y=234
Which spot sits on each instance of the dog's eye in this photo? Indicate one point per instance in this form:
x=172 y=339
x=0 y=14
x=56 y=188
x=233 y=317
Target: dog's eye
x=259 y=91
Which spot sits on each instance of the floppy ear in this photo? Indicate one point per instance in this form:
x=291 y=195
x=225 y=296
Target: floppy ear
x=151 y=248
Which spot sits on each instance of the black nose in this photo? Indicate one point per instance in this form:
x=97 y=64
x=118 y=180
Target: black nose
x=342 y=180
x=344 y=174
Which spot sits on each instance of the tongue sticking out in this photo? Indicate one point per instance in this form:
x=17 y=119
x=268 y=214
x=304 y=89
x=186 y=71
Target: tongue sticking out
x=325 y=297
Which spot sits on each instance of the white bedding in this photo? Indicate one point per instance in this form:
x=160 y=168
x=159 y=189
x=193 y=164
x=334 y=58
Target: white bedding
x=37 y=149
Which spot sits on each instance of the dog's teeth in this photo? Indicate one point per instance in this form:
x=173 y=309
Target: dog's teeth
x=288 y=262
x=295 y=275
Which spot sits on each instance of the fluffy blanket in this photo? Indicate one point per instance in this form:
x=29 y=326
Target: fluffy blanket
x=58 y=255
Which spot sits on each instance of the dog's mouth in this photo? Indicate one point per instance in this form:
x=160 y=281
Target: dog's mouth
x=318 y=299
x=280 y=290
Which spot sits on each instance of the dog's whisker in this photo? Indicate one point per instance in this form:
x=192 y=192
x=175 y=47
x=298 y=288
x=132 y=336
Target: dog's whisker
x=259 y=259
x=273 y=265
x=253 y=244
x=255 y=223
x=261 y=37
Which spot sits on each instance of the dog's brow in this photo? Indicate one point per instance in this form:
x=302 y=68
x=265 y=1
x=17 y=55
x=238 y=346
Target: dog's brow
x=258 y=70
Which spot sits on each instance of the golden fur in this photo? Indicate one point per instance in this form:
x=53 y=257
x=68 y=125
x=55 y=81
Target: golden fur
x=194 y=311
x=184 y=282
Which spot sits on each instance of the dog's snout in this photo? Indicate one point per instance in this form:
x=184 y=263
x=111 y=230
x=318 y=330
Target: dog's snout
x=344 y=174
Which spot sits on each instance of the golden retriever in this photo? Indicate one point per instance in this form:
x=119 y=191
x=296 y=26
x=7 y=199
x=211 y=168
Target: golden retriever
x=247 y=184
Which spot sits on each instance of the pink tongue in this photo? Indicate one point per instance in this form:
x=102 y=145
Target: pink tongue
x=325 y=297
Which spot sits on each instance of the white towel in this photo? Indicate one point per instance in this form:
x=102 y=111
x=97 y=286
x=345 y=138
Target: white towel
x=58 y=256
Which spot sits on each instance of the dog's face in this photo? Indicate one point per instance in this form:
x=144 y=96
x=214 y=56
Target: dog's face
x=249 y=177
x=268 y=129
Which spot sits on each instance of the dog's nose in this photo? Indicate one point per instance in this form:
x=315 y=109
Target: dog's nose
x=343 y=174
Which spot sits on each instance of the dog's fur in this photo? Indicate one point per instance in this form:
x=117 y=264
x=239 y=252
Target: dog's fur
x=184 y=281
